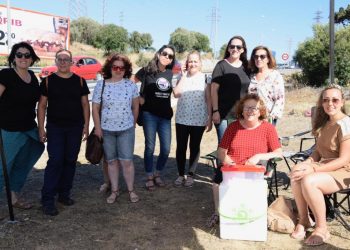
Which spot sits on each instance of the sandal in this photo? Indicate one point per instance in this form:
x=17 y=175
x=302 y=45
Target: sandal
x=158 y=181
x=317 y=238
x=133 y=196
x=213 y=220
x=22 y=205
x=189 y=181
x=112 y=198
x=104 y=188
x=150 y=184
x=179 y=181
x=299 y=232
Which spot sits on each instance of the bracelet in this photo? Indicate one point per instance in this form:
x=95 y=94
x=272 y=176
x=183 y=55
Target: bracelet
x=216 y=110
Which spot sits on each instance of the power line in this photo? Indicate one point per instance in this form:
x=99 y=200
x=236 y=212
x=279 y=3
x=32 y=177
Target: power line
x=77 y=8
x=214 y=18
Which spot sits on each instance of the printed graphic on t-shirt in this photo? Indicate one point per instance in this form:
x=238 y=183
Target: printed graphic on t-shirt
x=163 y=84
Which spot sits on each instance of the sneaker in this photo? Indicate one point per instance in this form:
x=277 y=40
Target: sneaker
x=179 y=181
x=189 y=181
x=52 y=211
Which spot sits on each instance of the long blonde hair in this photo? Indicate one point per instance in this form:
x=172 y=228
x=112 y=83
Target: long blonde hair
x=320 y=115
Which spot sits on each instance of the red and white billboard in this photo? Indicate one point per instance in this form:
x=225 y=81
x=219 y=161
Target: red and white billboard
x=46 y=33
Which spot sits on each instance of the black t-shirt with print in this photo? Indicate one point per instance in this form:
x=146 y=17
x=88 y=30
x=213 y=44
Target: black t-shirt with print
x=64 y=99
x=18 y=101
x=233 y=84
x=157 y=92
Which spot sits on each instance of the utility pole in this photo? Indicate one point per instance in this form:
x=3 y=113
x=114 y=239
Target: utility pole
x=103 y=11
x=318 y=17
x=121 y=18
x=331 y=41
x=214 y=18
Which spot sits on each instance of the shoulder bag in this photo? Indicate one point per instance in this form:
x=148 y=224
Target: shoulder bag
x=94 y=145
x=139 y=120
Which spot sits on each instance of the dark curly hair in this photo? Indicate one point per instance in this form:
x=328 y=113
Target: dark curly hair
x=239 y=106
x=107 y=67
x=12 y=55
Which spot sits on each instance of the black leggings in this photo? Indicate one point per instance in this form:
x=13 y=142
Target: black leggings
x=182 y=133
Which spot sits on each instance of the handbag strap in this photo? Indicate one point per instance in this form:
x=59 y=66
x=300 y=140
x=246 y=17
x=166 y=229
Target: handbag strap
x=143 y=83
x=103 y=87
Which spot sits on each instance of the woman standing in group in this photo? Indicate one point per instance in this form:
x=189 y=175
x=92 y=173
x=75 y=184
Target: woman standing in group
x=19 y=94
x=230 y=82
x=157 y=112
x=65 y=95
x=267 y=82
x=119 y=111
x=327 y=170
x=193 y=115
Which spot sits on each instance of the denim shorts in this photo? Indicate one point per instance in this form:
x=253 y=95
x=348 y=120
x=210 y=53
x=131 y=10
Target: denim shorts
x=119 y=145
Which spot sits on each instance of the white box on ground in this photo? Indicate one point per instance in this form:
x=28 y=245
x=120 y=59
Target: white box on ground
x=243 y=205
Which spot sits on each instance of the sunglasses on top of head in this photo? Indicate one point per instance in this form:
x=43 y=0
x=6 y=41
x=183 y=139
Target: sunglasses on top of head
x=238 y=47
x=166 y=54
x=25 y=55
x=118 y=68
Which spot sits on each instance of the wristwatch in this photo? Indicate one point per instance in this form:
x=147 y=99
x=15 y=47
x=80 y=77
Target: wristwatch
x=216 y=110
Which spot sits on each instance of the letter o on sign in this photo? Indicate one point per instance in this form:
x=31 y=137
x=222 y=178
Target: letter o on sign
x=285 y=56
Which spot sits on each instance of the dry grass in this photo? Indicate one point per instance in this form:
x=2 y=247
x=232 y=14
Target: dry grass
x=168 y=218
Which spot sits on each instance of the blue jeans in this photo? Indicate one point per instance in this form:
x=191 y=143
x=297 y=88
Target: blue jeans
x=220 y=129
x=63 y=146
x=153 y=124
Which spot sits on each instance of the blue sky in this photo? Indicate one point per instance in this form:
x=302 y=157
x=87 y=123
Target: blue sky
x=279 y=24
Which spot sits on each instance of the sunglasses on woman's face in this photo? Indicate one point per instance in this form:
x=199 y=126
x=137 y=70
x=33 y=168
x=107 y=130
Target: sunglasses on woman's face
x=118 y=68
x=335 y=101
x=238 y=47
x=25 y=55
x=166 y=54
x=262 y=57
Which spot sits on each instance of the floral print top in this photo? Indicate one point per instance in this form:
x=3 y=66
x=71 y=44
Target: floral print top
x=271 y=90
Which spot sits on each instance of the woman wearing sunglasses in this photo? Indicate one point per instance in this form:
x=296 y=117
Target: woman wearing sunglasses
x=65 y=96
x=19 y=94
x=230 y=82
x=116 y=124
x=327 y=170
x=267 y=82
x=156 y=78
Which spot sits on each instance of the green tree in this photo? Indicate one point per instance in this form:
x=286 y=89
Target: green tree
x=185 y=40
x=202 y=42
x=138 y=41
x=84 y=30
x=313 y=56
x=222 y=51
x=112 y=38
x=343 y=16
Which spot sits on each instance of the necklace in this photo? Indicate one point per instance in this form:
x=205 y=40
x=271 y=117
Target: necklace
x=26 y=78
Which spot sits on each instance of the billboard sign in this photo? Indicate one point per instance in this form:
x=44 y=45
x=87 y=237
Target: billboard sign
x=46 y=33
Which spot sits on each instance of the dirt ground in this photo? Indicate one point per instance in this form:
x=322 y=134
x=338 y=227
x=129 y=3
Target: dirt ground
x=167 y=218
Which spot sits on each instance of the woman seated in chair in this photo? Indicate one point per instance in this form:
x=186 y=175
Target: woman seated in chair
x=325 y=171
x=248 y=140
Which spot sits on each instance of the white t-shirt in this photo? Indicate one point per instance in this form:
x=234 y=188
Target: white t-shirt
x=191 y=106
x=116 y=113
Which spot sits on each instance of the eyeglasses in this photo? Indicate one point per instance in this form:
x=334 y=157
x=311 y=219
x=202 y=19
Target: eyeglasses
x=118 y=68
x=25 y=55
x=332 y=100
x=61 y=60
x=251 y=109
x=166 y=54
x=238 y=47
x=262 y=57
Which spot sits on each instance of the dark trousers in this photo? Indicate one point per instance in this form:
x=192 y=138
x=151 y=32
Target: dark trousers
x=63 y=146
x=183 y=132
